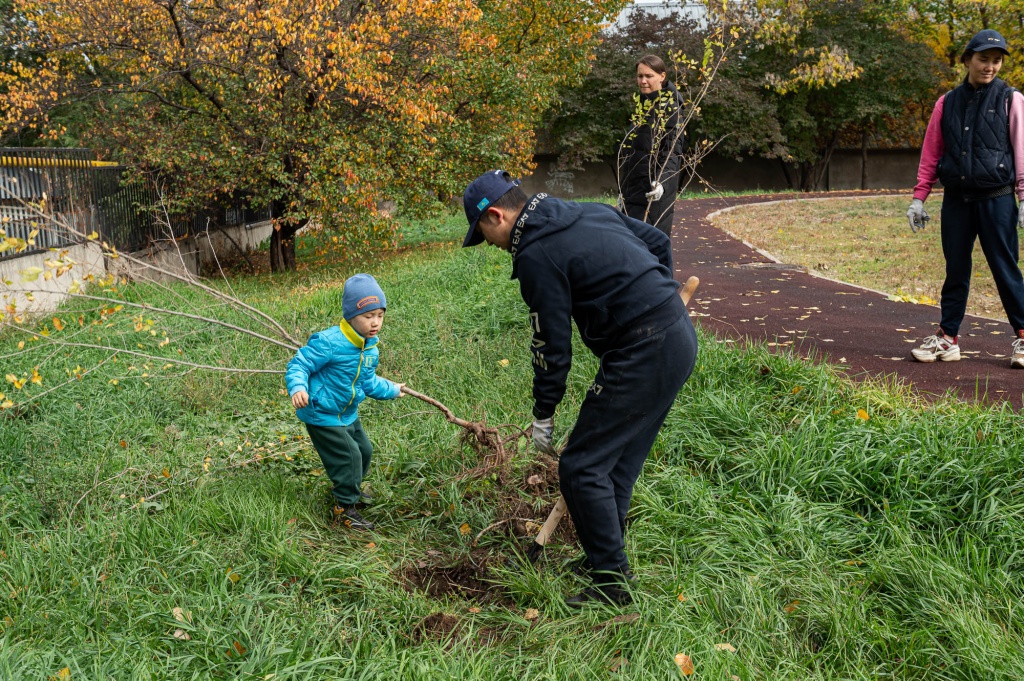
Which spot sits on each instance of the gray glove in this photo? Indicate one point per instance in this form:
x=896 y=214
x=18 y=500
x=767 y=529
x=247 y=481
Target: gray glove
x=917 y=216
x=543 y=429
x=657 y=191
x=1020 y=215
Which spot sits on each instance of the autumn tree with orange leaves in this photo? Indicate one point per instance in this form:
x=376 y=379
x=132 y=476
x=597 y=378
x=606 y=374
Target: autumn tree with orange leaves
x=321 y=109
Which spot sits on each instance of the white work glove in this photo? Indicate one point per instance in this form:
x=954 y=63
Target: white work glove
x=917 y=216
x=657 y=191
x=1020 y=215
x=543 y=429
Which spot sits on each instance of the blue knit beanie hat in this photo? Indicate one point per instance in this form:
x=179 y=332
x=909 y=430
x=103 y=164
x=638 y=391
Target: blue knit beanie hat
x=362 y=294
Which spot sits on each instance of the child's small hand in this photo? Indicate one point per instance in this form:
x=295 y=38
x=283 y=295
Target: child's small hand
x=401 y=393
x=300 y=399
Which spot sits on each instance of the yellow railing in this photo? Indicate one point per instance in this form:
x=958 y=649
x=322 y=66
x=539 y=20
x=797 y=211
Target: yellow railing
x=29 y=162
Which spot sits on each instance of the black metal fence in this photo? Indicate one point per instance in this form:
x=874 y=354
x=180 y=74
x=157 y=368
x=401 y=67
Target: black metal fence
x=92 y=196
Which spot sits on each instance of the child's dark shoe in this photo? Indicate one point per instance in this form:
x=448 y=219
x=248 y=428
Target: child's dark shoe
x=351 y=519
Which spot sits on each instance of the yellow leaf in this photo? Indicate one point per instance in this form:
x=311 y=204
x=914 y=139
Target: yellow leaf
x=464 y=528
x=6 y=404
x=727 y=647
x=796 y=389
x=31 y=273
x=681 y=598
x=234 y=577
x=532 y=614
x=36 y=378
x=862 y=415
x=791 y=608
x=182 y=634
x=371 y=545
x=93 y=236
x=503 y=363
x=166 y=473
x=58 y=324
x=684 y=663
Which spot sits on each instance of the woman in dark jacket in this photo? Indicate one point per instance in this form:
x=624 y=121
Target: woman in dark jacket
x=650 y=156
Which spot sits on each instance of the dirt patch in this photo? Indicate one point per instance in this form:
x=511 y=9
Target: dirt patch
x=469 y=578
x=436 y=627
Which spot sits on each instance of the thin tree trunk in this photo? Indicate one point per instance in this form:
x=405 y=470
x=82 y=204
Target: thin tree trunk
x=788 y=175
x=282 y=247
x=864 y=159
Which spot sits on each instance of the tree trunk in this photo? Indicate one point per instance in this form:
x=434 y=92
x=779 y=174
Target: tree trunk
x=787 y=174
x=864 y=159
x=282 y=247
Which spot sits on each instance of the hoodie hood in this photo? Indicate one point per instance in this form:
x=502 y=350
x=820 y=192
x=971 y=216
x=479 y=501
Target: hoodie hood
x=542 y=216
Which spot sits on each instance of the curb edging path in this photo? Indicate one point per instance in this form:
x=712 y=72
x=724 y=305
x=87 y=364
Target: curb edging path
x=746 y=296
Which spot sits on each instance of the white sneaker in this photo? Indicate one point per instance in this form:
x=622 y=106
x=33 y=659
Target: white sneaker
x=939 y=347
x=1017 y=358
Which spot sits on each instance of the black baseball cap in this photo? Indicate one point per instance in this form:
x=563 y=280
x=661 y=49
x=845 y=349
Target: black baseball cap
x=481 y=193
x=986 y=40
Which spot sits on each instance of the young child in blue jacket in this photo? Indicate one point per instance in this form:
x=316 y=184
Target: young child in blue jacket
x=329 y=377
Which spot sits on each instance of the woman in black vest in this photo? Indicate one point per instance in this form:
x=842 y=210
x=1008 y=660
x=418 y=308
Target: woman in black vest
x=650 y=156
x=975 y=145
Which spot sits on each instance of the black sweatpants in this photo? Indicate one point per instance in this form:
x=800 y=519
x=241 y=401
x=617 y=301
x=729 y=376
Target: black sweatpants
x=994 y=223
x=617 y=425
x=346 y=453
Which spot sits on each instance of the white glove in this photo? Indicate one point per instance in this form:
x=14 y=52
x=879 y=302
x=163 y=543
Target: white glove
x=657 y=191
x=1020 y=215
x=917 y=216
x=543 y=429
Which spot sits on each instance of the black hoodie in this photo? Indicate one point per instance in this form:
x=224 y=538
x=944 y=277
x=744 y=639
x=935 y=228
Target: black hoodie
x=589 y=263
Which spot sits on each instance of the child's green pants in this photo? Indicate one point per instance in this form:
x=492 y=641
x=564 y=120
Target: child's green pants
x=346 y=453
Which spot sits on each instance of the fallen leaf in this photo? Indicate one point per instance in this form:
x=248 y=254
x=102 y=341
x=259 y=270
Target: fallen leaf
x=181 y=616
x=371 y=545
x=239 y=649
x=474 y=610
x=182 y=634
x=233 y=576
x=532 y=527
x=728 y=647
x=166 y=473
x=534 y=480
x=796 y=389
x=684 y=663
x=464 y=528
x=532 y=614
x=617 y=664
x=862 y=415
x=681 y=598
x=791 y=608
x=62 y=674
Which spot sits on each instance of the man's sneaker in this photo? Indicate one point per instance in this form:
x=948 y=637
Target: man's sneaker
x=937 y=347
x=1017 y=358
x=608 y=589
x=351 y=519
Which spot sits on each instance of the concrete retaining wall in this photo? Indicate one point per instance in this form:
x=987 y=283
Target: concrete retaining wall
x=195 y=254
x=887 y=169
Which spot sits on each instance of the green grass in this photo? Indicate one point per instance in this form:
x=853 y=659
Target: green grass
x=770 y=516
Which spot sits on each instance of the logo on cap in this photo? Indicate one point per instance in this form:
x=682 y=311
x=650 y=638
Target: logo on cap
x=368 y=300
x=484 y=202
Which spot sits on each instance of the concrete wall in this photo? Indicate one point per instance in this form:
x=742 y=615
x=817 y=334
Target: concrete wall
x=42 y=295
x=887 y=169
x=195 y=255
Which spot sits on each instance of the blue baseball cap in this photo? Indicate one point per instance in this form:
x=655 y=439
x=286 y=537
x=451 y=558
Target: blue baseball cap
x=481 y=193
x=986 y=40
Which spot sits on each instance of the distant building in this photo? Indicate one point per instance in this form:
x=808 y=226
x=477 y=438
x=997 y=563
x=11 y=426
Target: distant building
x=663 y=8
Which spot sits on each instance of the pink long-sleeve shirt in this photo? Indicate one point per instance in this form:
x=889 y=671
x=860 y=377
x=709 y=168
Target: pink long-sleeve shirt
x=934 y=147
